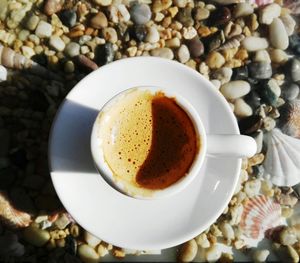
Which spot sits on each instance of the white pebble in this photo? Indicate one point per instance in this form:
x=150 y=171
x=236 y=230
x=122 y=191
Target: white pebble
x=260 y=256
x=262 y=55
x=124 y=12
x=183 y=54
x=189 y=33
x=268 y=13
x=87 y=254
x=110 y=34
x=242 y=109
x=289 y=23
x=235 y=89
x=103 y=2
x=173 y=43
x=278 y=56
x=91 y=239
x=28 y=52
x=223 y=74
x=43 y=30
x=72 y=49
x=252 y=187
x=278 y=35
x=163 y=53
x=152 y=35
x=213 y=253
x=181 y=3
x=202 y=241
x=243 y=9
x=255 y=43
x=3 y=73
x=227 y=230
x=57 y=43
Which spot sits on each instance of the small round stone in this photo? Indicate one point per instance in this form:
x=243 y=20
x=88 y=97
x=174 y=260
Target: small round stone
x=87 y=254
x=139 y=33
x=196 y=47
x=110 y=34
x=201 y=14
x=235 y=89
x=260 y=70
x=68 y=17
x=104 y=54
x=53 y=6
x=36 y=236
x=163 y=53
x=32 y=22
x=152 y=35
x=140 y=13
x=184 y=16
x=183 y=54
x=72 y=49
x=99 y=21
x=181 y=3
x=215 y=60
x=242 y=9
x=278 y=56
x=57 y=43
x=69 y=67
x=278 y=35
x=294 y=43
x=223 y=74
x=43 y=30
x=290 y=91
x=103 y=2
x=253 y=99
x=3 y=74
x=220 y=16
x=294 y=68
x=242 y=109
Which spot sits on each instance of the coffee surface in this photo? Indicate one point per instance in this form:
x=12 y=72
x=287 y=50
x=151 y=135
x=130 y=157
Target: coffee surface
x=173 y=146
x=148 y=141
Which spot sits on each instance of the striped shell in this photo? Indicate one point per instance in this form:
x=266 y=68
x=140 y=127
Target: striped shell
x=11 y=216
x=260 y=214
x=232 y=43
x=289 y=121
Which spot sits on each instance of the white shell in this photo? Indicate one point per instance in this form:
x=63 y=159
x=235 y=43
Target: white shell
x=282 y=163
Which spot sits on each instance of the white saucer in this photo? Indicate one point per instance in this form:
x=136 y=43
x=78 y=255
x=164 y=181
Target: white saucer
x=110 y=215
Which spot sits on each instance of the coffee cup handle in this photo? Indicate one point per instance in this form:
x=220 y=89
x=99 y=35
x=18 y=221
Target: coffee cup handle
x=230 y=145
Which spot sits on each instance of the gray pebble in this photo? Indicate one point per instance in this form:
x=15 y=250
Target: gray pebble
x=184 y=16
x=72 y=49
x=290 y=91
x=104 y=54
x=260 y=70
x=196 y=47
x=295 y=69
x=68 y=17
x=223 y=74
x=163 y=53
x=140 y=13
x=183 y=54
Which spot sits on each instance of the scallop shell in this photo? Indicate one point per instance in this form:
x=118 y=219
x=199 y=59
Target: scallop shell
x=260 y=214
x=282 y=161
x=289 y=121
x=11 y=216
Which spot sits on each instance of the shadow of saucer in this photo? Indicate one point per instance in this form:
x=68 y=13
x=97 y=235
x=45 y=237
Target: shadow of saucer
x=70 y=151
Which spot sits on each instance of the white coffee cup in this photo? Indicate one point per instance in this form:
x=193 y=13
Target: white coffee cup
x=211 y=145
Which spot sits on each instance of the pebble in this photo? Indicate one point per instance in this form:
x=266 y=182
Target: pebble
x=103 y=2
x=189 y=33
x=287 y=254
x=219 y=17
x=62 y=221
x=57 y=43
x=289 y=23
x=139 y=33
x=68 y=17
x=294 y=68
x=160 y=5
x=99 y=21
x=201 y=14
x=195 y=47
x=173 y=43
x=278 y=35
x=260 y=70
x=278 y=56
x=250 y=124
x=36 y=236
x=72 y=49
x=223 y=74
x=269 y=92
x=53 y=6
x=262 y=56
x=28 y=52
x=85 y=63
x=183 y=54
x=3 y=73
x=23 y=34
x=213 y=253
x=181 y=3
x=242 y=9
x=290 y=91
x=163 y=53
x=188 y=251
x=32 y=22
x=104 y=54
x=253 y=99
x=152 y=35
x=69 y=67
x=242 y=109
x=87 y=254
x=140 y=13
x=215 y=60
x=184 y=16
x=91 y=239
x=268 y=13
x=235 y=89
x=254 y=43
x=294 y=43
x=43 y=30
x=110 y=34
x=260 y=256
x=240 y=73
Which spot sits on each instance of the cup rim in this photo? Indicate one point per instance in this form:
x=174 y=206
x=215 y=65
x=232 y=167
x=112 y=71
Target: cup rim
x=106 y=173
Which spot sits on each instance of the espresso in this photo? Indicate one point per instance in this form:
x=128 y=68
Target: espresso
x=148 y=141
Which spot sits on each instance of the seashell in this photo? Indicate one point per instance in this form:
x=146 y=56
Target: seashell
x=232 y=43
x=289 y=121
x=10 y=59
x=11 y=216
x=282 y=162
x=261 y=2
x=293 y=6
x=260 y=214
